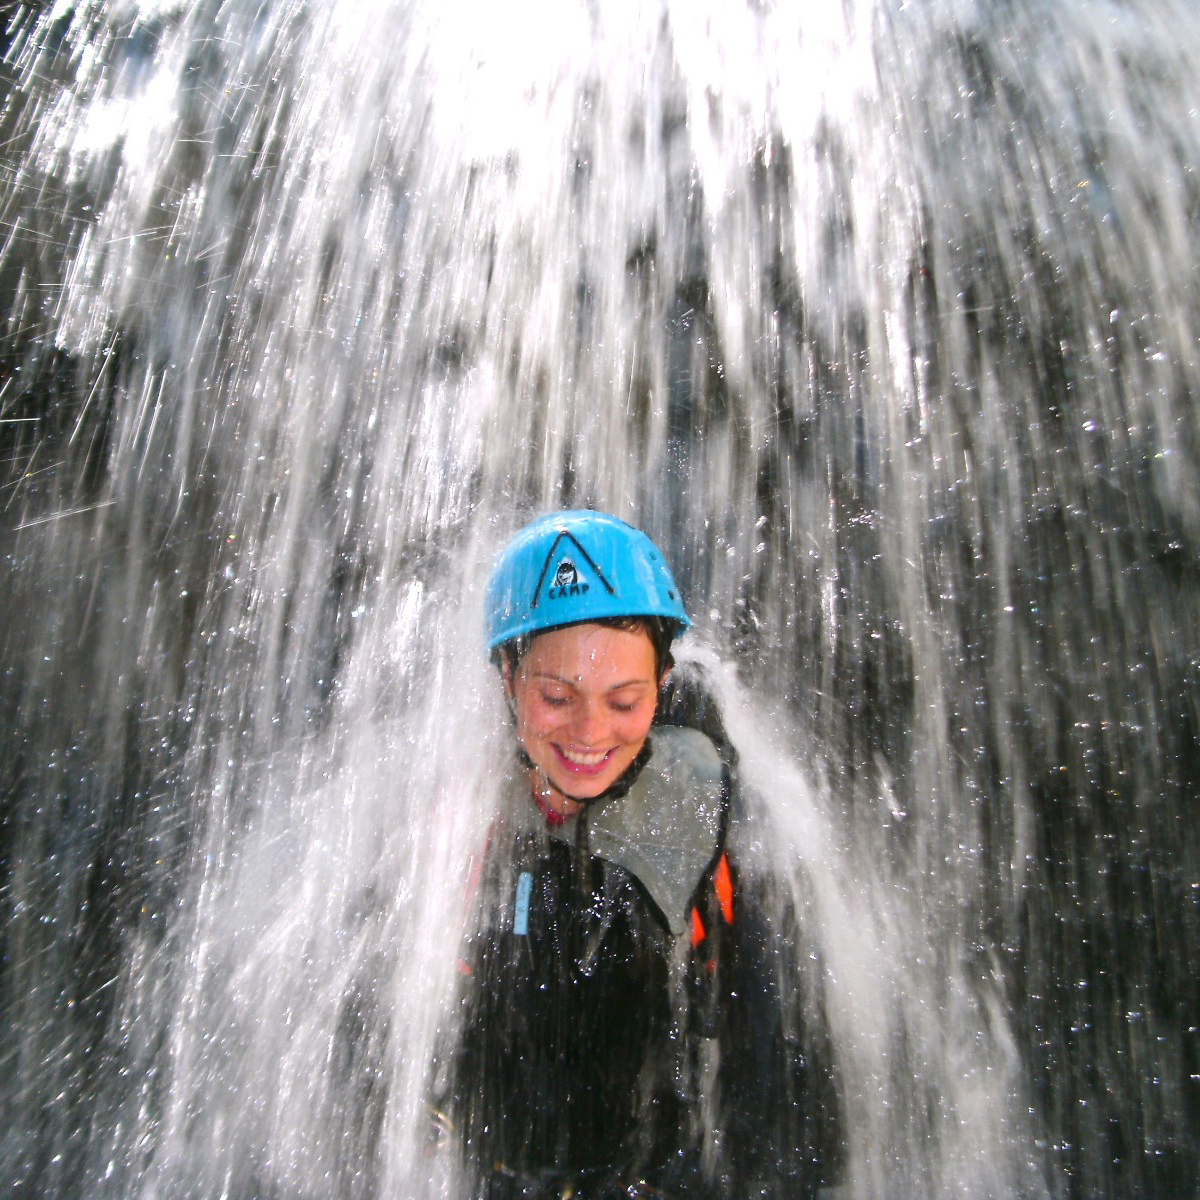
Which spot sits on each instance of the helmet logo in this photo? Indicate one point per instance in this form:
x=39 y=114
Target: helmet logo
x=564 y=579
x=566 y=582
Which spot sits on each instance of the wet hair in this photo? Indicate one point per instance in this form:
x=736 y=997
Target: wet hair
x=659 y=630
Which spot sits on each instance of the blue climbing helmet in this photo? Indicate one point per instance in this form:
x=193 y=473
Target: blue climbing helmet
x=577 y=566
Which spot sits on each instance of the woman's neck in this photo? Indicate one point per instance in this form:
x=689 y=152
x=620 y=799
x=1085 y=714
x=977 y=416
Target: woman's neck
x=549 y=798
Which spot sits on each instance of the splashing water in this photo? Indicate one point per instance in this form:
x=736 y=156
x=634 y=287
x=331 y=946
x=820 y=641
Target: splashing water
x=881 y=316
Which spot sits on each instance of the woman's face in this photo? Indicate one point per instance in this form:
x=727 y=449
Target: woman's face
x=584 y=698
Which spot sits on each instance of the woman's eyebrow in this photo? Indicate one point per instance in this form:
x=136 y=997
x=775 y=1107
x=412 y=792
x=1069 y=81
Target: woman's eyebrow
x=549 y=677
x=616 y=687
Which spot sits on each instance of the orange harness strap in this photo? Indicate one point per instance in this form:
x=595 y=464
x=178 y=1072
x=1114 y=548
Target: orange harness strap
x=723 y=886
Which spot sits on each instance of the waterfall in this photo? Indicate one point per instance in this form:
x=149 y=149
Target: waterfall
x=879 y=317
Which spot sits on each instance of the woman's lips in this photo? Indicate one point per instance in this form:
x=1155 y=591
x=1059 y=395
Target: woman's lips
x=580 y=762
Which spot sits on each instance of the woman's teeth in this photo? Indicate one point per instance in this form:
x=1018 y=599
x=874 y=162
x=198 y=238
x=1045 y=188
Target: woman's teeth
x=581 y=759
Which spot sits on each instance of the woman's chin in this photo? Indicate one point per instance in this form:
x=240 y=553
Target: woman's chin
x=582 y=789
x=583 y=784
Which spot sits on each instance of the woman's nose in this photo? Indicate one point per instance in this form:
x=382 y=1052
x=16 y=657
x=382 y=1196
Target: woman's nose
x=589 y=724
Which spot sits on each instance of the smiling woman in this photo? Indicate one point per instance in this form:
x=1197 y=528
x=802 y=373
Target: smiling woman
x=584 y=697
x=627 y=1024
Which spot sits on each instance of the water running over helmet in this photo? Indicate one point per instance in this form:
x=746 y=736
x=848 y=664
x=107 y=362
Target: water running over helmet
x=577 y=566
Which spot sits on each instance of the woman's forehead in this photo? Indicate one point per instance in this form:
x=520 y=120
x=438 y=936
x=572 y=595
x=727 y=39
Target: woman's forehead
x=587 y=649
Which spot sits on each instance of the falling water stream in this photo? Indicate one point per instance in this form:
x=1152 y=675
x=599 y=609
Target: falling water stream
x=881 y=316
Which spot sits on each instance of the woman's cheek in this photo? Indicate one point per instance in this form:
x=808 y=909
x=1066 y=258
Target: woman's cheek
x=541 y=718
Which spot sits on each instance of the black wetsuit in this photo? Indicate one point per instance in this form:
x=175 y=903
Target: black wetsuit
x=601 y=1051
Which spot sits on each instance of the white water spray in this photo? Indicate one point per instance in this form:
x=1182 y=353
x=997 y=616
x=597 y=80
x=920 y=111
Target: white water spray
x=880 y=316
